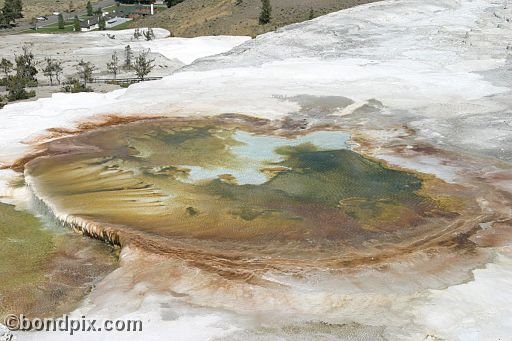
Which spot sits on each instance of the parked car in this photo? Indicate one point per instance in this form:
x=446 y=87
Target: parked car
x=56 y=13
x=42 y=18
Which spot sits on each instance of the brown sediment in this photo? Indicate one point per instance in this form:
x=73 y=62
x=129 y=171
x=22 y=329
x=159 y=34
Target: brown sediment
x=100 y=122
x=253 y=124
x=38 y=144
x=452 y=229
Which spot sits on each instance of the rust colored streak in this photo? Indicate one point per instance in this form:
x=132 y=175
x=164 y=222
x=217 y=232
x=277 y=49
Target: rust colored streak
x=39 y=144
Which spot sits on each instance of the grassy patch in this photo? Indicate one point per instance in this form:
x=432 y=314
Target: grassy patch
x=24 y=249
x=122 y=26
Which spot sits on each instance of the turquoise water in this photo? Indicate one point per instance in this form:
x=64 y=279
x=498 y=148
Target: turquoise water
x=262 y=151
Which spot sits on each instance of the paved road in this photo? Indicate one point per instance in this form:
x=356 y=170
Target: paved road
x=52 y=19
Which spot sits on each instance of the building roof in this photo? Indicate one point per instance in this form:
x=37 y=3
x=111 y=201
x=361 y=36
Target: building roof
x=87 y=23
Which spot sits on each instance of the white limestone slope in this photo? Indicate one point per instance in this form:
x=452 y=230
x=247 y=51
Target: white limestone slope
x=440 y=65
x=186 y=50
x=432 y=58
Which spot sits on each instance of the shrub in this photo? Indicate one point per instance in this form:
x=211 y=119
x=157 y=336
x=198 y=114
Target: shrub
x=73 y=85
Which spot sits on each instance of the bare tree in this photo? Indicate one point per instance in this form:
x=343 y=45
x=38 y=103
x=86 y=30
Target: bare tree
x=137 y=34
x=128 y=54
x=149 y=34
x=52 y=69
x=143 y=65
x=57 y=69
x=113 y=65
x=85 y=70
x=33 y=23
x=48 y=69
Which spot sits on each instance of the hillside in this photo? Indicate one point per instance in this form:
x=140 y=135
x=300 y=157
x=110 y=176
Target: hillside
x=194 y=18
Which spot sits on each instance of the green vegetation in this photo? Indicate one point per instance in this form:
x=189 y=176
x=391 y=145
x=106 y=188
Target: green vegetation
x=76 y=24
x=61 y=23
x=171 y=3
x=16 y=89
x=89 y=9
x=266 y=12
x=119 y=8
x=25 y=75
x=122 y=26
x=11 y=11
x=73 y=85
x=45 y=273
x=69 y=26
x=26 y=66
x=25 y=247
x=6 y=67
x=102 y=23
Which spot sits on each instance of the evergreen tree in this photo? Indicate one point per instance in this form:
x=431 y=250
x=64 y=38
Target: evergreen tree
x=102 y=24
x=61 y=21
x=16 y=89
x=171 y=3
x=266 y=12
x=311 y=14
x=8 y=12
x=6 y=67
x=25 y=66
x=3 y=19
x=17 y=8
x=76 y=24
x=12 y=10
x=89 y=9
